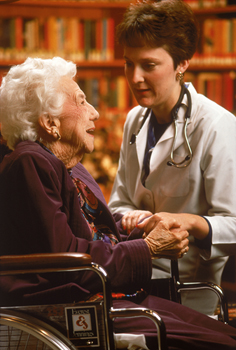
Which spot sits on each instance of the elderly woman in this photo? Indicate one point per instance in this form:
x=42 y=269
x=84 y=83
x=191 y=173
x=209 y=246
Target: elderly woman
x=164 y=168
x=50 y=203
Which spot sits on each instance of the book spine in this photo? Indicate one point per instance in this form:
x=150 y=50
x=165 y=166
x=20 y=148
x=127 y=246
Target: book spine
x=19 y=33
x=98 y=39
x=87 y=38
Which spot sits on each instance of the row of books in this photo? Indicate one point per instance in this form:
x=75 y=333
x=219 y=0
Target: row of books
x=66 y=37
x=219 y=36
x=114 y=93
x=107 y=92
x=219 y=87
x=93 y=40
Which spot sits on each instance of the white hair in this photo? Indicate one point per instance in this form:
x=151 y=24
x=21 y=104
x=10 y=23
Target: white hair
x=29 y=90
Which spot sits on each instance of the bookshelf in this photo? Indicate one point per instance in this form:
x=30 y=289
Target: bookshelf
x=63 y=28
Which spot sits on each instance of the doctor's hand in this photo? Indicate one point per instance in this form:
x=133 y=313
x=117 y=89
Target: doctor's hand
x=132 y=218
x=196 y=225
x=165 y=238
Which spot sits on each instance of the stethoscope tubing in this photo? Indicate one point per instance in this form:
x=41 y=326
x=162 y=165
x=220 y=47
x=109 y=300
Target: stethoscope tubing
x=187 y=160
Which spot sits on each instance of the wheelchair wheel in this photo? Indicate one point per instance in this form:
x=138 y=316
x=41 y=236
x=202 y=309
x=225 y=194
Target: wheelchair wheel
x=19 y=331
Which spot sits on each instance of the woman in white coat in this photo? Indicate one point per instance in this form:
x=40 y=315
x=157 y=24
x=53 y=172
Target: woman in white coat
x=196 y=184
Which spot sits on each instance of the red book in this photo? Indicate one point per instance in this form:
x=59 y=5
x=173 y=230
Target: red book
x=46 y=41
x=99 y=37
x=219 y=89
x=228 y=92
x=81 y=38
x=211 y=89
x=110 y=38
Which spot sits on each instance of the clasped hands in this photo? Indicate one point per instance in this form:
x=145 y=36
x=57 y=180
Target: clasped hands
x=163 y=234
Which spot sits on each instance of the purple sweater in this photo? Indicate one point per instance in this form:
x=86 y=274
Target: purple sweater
x=40 y=212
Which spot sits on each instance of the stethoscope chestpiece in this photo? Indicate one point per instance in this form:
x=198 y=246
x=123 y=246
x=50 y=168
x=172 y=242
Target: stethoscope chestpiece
x=187 y=159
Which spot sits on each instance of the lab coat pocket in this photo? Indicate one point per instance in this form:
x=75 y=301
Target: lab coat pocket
x=174 y=181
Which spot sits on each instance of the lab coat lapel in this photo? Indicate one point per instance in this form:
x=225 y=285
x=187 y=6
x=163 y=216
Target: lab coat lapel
x=166 y=140
x=141 y=140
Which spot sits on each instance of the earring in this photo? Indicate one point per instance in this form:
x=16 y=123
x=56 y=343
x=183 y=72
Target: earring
x=180 y=77
x=58 y=135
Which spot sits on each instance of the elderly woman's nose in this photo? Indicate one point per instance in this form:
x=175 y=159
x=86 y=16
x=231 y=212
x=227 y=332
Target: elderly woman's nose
x=94 y=113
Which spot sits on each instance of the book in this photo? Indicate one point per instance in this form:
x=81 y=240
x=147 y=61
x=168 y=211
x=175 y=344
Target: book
x=110 y=28
x=87 y=38
x=52 y=35
x=5 y=33
x=228 y=91
x=98 y=39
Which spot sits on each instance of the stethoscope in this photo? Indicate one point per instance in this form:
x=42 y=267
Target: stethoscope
x=187 y=160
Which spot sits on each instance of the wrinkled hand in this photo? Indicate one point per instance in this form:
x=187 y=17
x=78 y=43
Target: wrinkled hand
x=164 y=237
x=132 y=218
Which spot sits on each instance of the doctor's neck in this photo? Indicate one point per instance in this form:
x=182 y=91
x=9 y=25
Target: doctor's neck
x=163 y=112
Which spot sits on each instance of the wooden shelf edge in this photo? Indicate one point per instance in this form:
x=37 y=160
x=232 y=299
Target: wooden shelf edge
x=211 y=68
x=84 y=64
x=215 y=10
x=83 y=4
x=119 y=63
x=113 y=4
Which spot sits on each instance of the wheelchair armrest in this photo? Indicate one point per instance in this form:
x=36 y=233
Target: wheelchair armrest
x=45 y=262
x=144 y=312
x=211 y=286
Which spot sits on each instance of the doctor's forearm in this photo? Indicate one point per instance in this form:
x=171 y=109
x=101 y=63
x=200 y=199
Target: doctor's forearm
x=196 y=225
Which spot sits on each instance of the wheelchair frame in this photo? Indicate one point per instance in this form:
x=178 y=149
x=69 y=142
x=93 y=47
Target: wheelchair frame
x=69 y=262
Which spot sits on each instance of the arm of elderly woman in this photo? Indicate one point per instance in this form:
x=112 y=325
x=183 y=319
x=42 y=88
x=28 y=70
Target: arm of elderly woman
x=40 y=212
x=45 y=216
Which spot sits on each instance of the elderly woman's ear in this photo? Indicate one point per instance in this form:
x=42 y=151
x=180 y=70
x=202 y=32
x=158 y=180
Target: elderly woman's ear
x=49 y=127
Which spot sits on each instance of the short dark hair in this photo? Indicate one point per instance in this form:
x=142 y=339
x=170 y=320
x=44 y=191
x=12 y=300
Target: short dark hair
x=169 y=24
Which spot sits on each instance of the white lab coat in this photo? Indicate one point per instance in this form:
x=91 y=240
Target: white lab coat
x=206 y=187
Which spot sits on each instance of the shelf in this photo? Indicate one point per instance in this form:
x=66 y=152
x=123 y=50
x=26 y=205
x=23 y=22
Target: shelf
x=216 y=10
x=87 y=64
x=117 y=64
x=31 y=8
x=211 y=67
x=84 y=4
x=109 y=4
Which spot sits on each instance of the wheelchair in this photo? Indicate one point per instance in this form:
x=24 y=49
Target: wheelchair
x=80 y=325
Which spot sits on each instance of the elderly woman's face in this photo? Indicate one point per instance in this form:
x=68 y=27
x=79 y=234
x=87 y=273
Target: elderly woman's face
x=76 y=123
